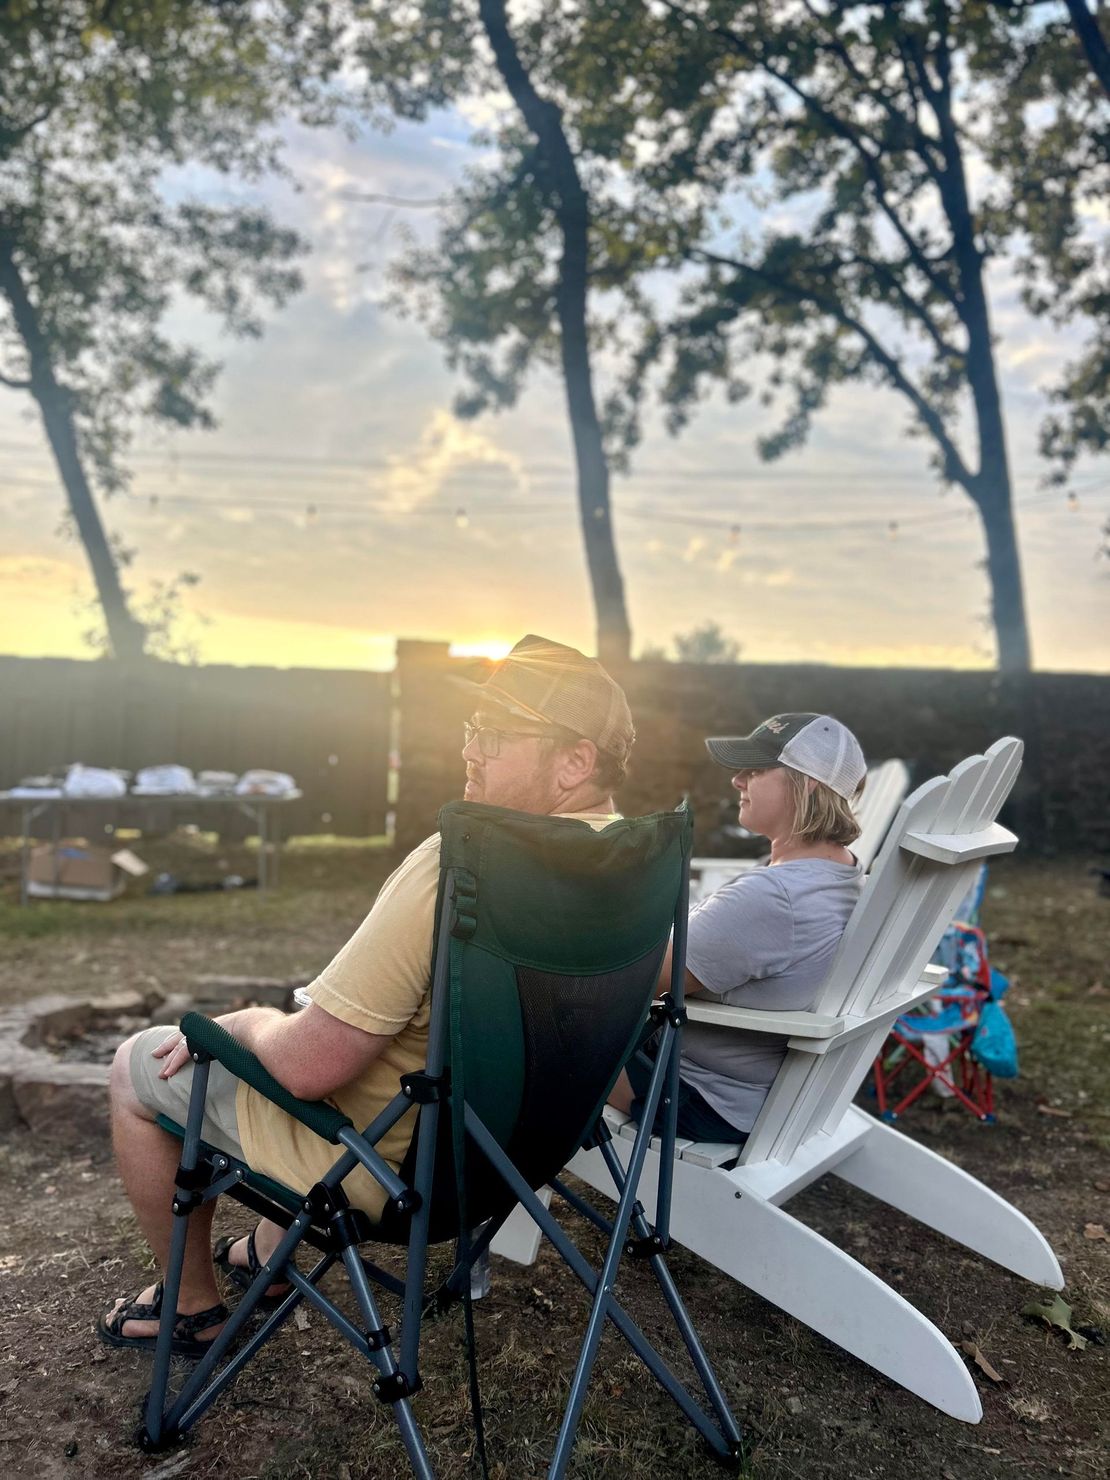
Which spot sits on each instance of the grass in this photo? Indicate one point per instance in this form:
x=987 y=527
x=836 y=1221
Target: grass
x=304 y=1409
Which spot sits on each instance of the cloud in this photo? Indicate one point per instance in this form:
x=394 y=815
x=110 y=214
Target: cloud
x=35 y=570
x=446 y=445
x=781 y=575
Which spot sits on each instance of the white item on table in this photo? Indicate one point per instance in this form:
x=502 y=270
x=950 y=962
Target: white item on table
x=94 y=781
x=264 y=784
x=164 y=781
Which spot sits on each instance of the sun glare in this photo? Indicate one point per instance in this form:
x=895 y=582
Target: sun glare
x=494 y=650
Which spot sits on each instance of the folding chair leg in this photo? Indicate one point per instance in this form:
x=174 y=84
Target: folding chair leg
x=384 y=1360
x=576 y=1262
x=661 y=1270
x=183 y=1203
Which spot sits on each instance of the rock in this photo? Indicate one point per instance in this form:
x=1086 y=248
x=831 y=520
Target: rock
x=793 y=1405
x=67 y=1103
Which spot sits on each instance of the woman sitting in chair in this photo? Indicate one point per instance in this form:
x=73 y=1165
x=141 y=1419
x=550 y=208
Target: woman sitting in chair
x=766 y=939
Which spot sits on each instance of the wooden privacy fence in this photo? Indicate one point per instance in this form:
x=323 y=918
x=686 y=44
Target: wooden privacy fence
x=341 y=735
x=329 y=729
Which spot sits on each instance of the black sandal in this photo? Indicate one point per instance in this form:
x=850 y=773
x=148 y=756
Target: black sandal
x=109 y=1326
x=242 y=1278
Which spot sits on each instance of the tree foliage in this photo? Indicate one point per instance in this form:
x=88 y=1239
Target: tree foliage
x=854 y=124
x=536 y=242
x=1046 y=99
x=708 y=643
x=101 y=101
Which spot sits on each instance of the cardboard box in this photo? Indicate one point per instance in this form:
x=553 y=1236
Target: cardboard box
x=79 y=870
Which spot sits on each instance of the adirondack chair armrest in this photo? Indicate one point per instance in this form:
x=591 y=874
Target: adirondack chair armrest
x=812 y=1032
x=959 y=847
x=761 y=1020
x=855 y=1025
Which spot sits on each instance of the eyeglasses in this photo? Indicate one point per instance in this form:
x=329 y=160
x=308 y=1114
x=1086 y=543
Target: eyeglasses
x=489 y=739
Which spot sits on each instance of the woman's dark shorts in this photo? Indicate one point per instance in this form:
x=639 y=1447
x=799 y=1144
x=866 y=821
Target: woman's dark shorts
x=697 y=1119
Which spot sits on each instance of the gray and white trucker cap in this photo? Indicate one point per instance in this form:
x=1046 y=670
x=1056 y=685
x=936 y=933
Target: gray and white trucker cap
x=815 y=744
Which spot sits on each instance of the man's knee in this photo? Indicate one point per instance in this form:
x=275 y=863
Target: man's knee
x=121 y=1086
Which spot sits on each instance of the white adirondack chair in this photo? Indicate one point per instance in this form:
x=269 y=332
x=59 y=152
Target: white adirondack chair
x=887 y=784
x=728 y=1201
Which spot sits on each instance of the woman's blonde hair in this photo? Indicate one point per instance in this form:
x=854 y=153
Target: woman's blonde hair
x=821 y=815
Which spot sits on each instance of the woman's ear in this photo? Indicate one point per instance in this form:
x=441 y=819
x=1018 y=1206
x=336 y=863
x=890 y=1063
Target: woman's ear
x=810 y=785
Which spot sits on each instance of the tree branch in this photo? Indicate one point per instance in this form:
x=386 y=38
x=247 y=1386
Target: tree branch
x=843 y=130
x=1093 y=42
x=15 y=385
x=955 y=469
x=913 y=306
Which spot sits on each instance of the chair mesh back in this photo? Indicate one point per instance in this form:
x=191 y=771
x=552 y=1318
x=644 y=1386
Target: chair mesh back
x=576 y=1034
x=558 y=935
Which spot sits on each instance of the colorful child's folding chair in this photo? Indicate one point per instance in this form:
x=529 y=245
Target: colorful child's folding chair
x=548 y=948
x=956 y=1042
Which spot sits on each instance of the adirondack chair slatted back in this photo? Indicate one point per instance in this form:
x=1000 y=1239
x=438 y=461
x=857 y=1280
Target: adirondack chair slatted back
x=886 y=786
x=938 y=840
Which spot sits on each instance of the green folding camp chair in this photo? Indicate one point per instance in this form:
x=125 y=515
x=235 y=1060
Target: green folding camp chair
x=548 y=947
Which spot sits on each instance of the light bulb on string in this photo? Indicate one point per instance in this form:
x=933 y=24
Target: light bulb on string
x=153 y=500
x=892 y=530
x=1073 y=501
x=462 y=519
x=310 y=514
x=734 y=534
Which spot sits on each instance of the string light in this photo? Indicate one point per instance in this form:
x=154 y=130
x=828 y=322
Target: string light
x=310 y=514
x=537 y=508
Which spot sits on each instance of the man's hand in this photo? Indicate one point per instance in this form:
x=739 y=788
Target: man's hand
x=175 y=1051
x=310 y=1052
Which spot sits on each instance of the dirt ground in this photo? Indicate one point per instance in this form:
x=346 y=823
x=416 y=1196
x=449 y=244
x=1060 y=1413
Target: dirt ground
x=68 y=1245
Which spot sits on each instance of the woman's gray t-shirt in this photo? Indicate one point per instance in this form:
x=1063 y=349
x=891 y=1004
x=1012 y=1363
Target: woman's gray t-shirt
x=765 y=940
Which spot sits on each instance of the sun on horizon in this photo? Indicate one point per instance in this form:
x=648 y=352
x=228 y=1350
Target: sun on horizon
x=494 y=649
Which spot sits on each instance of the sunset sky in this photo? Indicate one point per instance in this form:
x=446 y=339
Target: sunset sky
x=343 y=404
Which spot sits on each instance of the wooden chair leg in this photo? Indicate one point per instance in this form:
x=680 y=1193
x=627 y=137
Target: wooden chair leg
x=519 y=1236
x=917 y=1181
x=766 y=1249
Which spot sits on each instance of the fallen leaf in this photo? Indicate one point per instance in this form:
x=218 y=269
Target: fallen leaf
x=1098 y=990
x=1056 y=1312
x=1095 y=1232
x=973 y=1351
x=300 y=1318
x=1054 y=1110
x=1101 y=1186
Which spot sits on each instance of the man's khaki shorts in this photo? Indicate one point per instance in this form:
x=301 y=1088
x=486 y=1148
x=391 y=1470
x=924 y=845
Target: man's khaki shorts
x=171 y=1096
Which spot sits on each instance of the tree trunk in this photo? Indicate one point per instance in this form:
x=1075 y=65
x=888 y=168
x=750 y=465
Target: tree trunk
x=572 y=211
x=991 y=487
x=1086 y=27
x=124 y=633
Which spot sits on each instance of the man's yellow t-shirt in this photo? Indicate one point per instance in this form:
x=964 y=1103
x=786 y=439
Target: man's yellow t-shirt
x=379 y=982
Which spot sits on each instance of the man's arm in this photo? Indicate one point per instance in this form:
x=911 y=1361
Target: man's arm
x=310 y=1052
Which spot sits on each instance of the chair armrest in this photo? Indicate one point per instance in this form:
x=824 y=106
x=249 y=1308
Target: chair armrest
x=210 y=1037
x=763 y=1020
x=814 y=1025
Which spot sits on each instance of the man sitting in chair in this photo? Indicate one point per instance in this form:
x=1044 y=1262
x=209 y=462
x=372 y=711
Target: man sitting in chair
x=551 y=735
